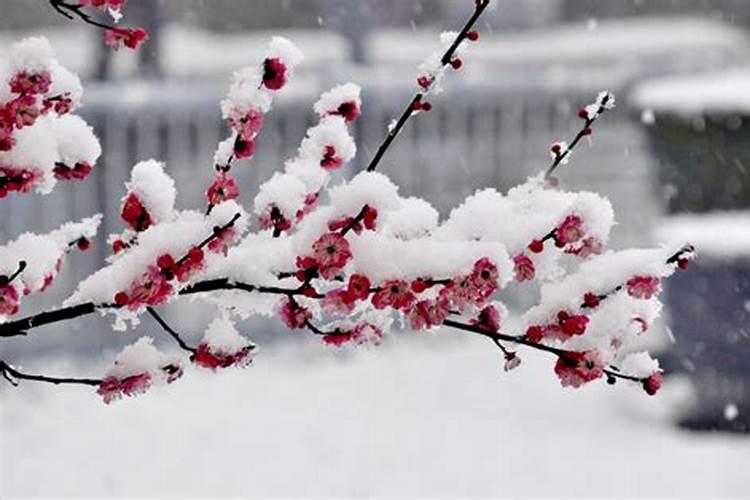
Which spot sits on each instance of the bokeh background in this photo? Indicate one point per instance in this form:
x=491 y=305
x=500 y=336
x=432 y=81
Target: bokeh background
x=425 y=414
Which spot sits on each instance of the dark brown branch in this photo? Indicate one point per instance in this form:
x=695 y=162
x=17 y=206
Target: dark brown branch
x=183 y=345
x=610 y=372
x=4 y=280
x=73 y=10
x=481 y=5
x=11 y=375
x=585 y=130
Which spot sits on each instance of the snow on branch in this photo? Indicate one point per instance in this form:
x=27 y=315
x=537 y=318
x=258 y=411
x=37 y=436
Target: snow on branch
x=350 y=262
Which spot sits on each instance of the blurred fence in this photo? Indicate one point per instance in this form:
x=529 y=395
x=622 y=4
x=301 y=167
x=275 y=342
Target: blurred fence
x=474 y=137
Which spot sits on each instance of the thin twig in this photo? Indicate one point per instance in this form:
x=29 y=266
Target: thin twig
x=183 y=345
x=11 y=374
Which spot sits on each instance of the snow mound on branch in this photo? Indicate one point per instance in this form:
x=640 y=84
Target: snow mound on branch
x=155 y=188
x=382 y=258
x=331 y=100
x=175 y=237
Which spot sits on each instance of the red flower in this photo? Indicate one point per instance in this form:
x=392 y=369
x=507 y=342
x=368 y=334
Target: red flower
x=243 y=148
x=643 y=287
x=113 y=388
x=369 y=218
x=338 y=301
x=212 y=358
x=349 y=110
x=428 y=313
x=27 y=83
x=116 y=38
x=572 y=325
x=330 y=161
x=524 y=267
x=484 y=279
x=569 y=231
x=591 y=300
x=221 y=241
x=293 y=314
x=274 y=73
x=652 y=383
x=24 y=111
x=488 y=319
x=359 y=287
x=223 y=188
x=332 y=252
x=393 y=293
x=338 y=337
x=577 y=368
x=151 y=288
x=134 y=213
x=8 y=300
x=18 y=179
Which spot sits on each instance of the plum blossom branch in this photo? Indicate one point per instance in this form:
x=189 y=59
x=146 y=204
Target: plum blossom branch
x=416 y=101
x=560 y=150
x=563 y=354
x=114 y=36
x=12 y=374
x=4 y=280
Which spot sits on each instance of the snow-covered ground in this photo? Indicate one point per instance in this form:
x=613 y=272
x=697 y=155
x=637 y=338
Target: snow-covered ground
x=432 y=415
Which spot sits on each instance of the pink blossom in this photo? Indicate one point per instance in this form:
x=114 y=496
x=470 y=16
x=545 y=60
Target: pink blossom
x=577 y=368
x=116 y=38
x=524 y=268
x=358 y=287
x=243 y=148
x=310 y=203
x=652 y=383
x=588 y=247
x=209 y=357
x=18 y=179
x=428 y=313
x=572 y=325
x=9 y=303
x=348 y=110
x=330 y=160
x=294 y=315
x=222 y=239
x=643 y=287
x=113 y=388
x=247 y=125
x=393 y=293
x=338 y=337
x=222 y=189
x=25 y=111
x=484 y=279
x=332 y=252
x=150 y=289
x=134 y=213
x=569 y=231
x=28 y=83
x=338 y=301
x=103 y=4
x=488 y=319
x=274 y=73
x=272 y=218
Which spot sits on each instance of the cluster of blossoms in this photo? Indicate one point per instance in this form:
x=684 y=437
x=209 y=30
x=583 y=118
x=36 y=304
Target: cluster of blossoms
x=350 y=261
x=136 y=369
x=286 y=198
x=115 y=36
x=41 y=142
x=249 y=99
x=30 y=263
